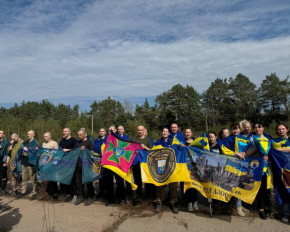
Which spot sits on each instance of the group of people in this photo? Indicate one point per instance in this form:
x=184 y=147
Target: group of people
x=76 y=192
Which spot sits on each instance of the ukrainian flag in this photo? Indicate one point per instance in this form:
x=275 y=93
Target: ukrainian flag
x=235 y=168
x=234 y=144
x=176 y=141
x=280 y=143
x=201 y=142
x=164 y=166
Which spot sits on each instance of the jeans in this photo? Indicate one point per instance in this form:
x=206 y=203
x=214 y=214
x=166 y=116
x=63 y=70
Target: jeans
x=238 y=202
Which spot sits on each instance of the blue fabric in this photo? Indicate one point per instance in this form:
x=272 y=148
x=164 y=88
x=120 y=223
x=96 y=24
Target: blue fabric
x=152 y=142
x=125 y=137
x=163 y=143
x=4 y=149
x=179 y=136
x=98 y=145
x=250 y=135
x=280 y=164
x=31 y=153
x=58 y=166
x=220 y=142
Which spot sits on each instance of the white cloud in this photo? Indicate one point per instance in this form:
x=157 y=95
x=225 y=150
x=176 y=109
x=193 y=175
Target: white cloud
x=131 y=49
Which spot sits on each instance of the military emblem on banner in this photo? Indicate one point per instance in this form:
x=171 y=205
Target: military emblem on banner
x=254 y=164
x=45 y=158
x=161 y=164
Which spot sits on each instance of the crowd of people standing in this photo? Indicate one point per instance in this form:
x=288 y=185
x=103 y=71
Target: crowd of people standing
x=77 y=193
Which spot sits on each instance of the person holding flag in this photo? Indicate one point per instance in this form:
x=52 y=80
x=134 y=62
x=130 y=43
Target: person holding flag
x=121 y=132
x=191 y=195
x=83 y=142
x=99 y=146
x=261 y=145
x=146 y=144
x=166 y=142
x=109 y=180
x=236 y=145
x=28 y=147
x=174 y=132
x=282 y=143
x=13 y=149
x=66 y=144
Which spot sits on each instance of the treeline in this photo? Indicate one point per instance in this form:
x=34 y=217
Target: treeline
x=225 y=101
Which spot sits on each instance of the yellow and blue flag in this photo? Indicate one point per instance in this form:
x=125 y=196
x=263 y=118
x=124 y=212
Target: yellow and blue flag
x=280 y=143
x=164 y=166
x=220 y=177
x=234 y=144
x=280 y=162
x=201 y=142
x=235 y=168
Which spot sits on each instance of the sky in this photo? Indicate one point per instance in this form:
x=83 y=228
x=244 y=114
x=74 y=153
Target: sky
x=75 y=52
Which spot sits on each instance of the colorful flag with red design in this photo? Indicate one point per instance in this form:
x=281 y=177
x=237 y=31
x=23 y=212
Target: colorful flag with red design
x=119 y=155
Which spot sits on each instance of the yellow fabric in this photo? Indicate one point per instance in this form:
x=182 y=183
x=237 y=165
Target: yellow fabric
x=227 y=151
x=157 y=147
x=198 y=143
x=209 y=190
x=280 y=144
x=235 y=171
x=128 y=177
x=180 y=174
x=175 y=141
x=269 y=178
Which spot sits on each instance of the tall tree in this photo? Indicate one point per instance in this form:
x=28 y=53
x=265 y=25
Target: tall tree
x=244 y=94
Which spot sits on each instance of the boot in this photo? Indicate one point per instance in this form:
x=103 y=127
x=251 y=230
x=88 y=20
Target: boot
x=240 y=212
x=158 y=207
x=174 y=208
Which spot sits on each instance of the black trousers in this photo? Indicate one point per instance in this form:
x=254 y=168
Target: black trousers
x=66 y=188
x=79 y=188
x=109 y=186
x=264 y=195
x=52 y=187
x=137 y=178
x=191 y=195
x=3 y=177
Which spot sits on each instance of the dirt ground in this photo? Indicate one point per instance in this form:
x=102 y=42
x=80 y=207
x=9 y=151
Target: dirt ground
x=24 y=215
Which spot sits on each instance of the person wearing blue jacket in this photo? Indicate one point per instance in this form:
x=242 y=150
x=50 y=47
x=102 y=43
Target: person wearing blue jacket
x=174 y=130
x=120 y=133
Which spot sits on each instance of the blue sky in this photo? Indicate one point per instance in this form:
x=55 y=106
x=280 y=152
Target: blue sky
x=81 y=51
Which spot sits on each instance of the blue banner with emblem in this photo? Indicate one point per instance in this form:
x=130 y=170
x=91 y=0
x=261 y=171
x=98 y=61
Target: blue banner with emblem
x=58 y=166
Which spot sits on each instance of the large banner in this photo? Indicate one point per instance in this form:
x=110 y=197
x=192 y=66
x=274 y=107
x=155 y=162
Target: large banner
x=280 y=162
x=164 y=166
x=221 y=177
x=58 y=166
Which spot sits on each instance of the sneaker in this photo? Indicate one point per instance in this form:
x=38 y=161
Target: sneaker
x=240 y=212
x=88 y=201
x=55 y=197
x=158 y=207
x=195 y=207
x=33 y=197
x=190 y=208
x=262 y=215
x=73 y=201
x=67 y=198
x=174 y=208
x=285 y=218
x=79 y=200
